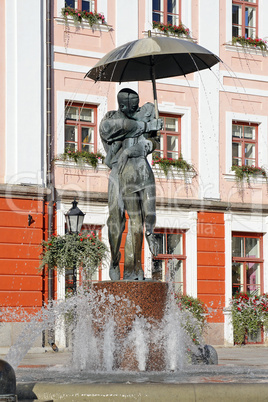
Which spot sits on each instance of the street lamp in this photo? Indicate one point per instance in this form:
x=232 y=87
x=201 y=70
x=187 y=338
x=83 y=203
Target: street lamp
x=74 y=220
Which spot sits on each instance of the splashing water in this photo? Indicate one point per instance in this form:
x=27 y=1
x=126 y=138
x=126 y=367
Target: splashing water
x=98 y=341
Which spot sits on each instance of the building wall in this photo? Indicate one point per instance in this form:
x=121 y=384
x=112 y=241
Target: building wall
x=209 y=206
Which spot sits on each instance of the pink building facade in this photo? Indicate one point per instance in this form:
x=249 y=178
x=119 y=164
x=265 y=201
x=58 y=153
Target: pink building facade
x=215 y=119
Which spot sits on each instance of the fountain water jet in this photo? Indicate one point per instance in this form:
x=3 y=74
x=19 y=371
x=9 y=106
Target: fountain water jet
x=115 y=326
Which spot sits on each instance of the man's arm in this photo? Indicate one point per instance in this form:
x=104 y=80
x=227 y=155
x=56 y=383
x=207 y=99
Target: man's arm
x=142 y=148
x=118 y=129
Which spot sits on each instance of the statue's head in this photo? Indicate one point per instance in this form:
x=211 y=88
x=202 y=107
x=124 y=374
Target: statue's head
x=128 y=101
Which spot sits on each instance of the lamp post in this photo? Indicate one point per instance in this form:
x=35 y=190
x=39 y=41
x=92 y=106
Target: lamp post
x=74 y=220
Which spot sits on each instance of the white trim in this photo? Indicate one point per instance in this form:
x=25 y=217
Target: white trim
x=228 y=20
x=253 y=180
x=176 y=219
x=248 y=91
x=185 y=112
x=100 y=101
x=263 y=12
x=148 y=15
x=77 y=166
x=75 y=68
x=243 y=76
x=182 y=82
x=248 y=223
x=186 y=13
x=237 y=47
x=265 y=256
x=262 y=122
x=228 y=258
x=83 y=25
x=77 y=52
x=173 y=174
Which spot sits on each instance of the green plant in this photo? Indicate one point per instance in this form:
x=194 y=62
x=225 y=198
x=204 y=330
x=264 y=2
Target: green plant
x=257 y=43
x=246 y=171
x=166 y=164
x=79 y=16
x=197 y=309
x=82 y=157
x=249 y=314
x=179 y=30
x=83 y=250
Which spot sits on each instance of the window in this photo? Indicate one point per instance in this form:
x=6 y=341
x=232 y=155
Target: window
x=245 y=16
x=247 y=263
x=166 y=11
x=69 y=273
x=244 y=144
x=170 y=262
x=81 y=127
x=83 y=5
x=170 y=137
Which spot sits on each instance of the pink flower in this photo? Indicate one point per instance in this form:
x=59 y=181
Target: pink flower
x=79 y=15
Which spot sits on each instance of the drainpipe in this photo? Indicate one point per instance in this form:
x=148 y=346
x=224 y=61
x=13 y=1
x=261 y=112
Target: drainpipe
x=49 y=150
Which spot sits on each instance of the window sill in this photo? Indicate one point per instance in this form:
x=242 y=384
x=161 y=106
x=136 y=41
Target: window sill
x=84 y=25
x=69 y=164
x=244 y=49
x=253 y=179
x=174 y=174
x=156 y=32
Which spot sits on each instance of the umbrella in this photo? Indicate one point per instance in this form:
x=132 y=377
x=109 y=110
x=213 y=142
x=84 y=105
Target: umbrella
x=151 y=58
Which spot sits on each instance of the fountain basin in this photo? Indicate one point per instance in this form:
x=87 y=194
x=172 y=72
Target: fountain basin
x=145 y=392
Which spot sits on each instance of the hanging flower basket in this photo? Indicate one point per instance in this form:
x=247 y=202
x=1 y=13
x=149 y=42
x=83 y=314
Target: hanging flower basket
x=83 y=250
x=82 y=16
x=82 y=157
x=180 y=30
x=247 y=172
x=166 y=164
x=253 y=43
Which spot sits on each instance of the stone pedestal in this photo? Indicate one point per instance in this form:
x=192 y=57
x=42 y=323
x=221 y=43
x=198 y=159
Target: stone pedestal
x=133 y=299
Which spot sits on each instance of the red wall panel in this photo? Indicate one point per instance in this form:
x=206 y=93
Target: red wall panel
x=21 y=284
x=211 y=263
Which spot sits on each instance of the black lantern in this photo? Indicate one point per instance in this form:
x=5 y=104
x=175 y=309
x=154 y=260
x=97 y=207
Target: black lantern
x=74 y=218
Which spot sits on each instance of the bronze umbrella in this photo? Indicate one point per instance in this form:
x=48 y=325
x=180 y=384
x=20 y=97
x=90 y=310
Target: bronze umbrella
x=152 y=58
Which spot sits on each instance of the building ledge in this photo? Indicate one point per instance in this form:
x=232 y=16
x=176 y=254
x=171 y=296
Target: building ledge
x=252 y=180
x=68 y=164
x=244 y=49
x=84 y=25
x=173 y=174
x=23 y=191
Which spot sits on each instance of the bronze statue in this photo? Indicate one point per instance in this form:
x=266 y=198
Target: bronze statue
x=129 y=135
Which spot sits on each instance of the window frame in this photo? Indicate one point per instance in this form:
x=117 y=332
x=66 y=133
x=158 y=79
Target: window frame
x=164 y=12
x=244 y=4
x=165 y=133
x=81 y=123
x=166 y=257
x=244 y=141
x=78 y=5
x=245 y=260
